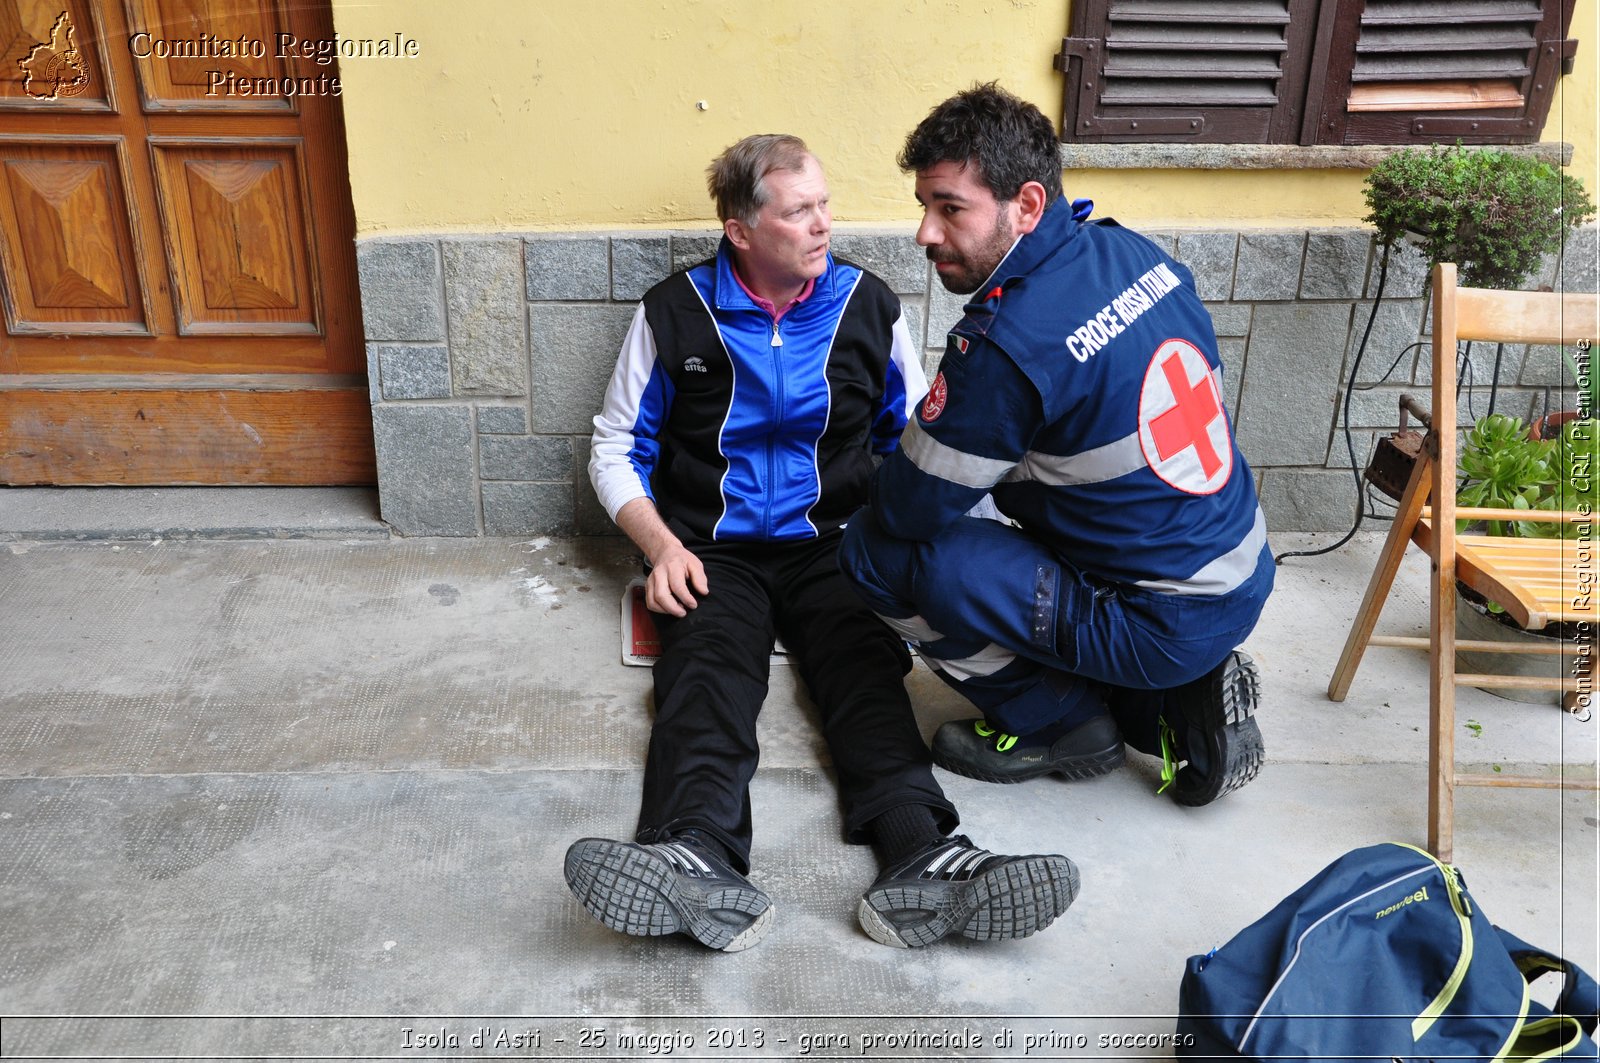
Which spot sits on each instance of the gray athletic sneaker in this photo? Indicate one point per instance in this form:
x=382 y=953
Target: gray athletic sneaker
x=954 y=887
x=671 y=887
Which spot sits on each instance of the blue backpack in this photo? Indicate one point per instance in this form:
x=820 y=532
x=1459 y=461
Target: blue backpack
x=1383 y=955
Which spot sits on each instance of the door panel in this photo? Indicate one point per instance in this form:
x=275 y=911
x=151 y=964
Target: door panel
x=242 y=263
x=180 y=82
x=51 y=57
x=68 y=252
x=166 y=239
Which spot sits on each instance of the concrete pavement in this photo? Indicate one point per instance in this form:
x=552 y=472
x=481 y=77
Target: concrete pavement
x=275 y=797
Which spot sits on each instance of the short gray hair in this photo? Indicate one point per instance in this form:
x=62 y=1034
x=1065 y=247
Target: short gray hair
x=736 y=179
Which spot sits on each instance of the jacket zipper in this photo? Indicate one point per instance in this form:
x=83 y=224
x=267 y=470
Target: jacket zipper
x=777 y=423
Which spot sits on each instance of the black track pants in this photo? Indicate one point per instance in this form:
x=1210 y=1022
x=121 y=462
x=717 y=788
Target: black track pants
x=712 y=678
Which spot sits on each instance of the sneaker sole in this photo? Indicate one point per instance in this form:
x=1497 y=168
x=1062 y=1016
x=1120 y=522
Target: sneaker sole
x=633 y=892
x=1083 y=766
x=1011 y=901
x=1246 y=753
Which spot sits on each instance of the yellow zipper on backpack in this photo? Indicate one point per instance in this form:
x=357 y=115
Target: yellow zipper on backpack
x=1463 y=909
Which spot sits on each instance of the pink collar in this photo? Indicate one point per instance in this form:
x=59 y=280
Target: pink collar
x=768 y=305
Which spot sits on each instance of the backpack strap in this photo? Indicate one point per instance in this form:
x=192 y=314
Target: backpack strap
x=1580 y=995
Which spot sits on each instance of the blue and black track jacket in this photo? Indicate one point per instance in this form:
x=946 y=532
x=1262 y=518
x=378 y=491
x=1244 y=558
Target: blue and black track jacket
x=1083 y=390
x=742 y=428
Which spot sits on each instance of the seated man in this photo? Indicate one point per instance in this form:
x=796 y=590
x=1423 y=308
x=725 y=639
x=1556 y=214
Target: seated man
x=1081 y=391
x=736 y=439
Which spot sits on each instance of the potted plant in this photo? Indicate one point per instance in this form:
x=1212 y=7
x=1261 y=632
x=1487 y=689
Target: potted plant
x=1493 y=213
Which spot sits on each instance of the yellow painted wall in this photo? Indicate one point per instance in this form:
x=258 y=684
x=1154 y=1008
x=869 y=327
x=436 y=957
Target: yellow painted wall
x=561 y=114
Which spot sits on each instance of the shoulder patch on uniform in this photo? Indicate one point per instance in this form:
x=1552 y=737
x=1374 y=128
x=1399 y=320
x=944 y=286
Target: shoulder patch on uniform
x=1183 y=429
x=938 y=395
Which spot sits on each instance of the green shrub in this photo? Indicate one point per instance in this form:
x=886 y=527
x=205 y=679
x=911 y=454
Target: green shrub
x=1492 y=213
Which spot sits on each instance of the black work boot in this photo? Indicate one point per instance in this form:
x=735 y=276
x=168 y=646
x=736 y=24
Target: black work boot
x=978 y=751
x=954 y=887
x=1215 y=734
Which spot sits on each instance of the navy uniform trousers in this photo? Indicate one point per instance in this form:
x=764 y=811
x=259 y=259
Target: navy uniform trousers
x=711 y=680
x=1032 y=640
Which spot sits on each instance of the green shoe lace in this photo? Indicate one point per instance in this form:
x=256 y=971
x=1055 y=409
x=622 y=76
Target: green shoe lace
x=1169 y=754
x=1002 y=744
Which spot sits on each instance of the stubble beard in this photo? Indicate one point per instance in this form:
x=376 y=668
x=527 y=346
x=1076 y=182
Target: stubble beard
x=976 y=268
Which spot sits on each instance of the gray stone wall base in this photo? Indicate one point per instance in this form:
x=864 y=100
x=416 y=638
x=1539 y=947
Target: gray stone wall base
x=489 y=356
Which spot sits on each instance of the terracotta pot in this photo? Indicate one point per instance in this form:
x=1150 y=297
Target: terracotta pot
x=1549 y=426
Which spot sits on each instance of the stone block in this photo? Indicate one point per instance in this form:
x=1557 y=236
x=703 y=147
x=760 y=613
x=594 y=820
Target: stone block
x=691 y=249
x=1232 y=353
x=1167 y=241
x=1308 y=500
x=374 y=374
x=1361 y=440
x=894 y=257
x=525 y=458
x=1291 y=382
x=503 y=420
x=1230 y=319
x=1336 y=265
x=589 y=515
x=945 y=308
x=1210 y=256
x=567 y=267
x=1407 y=276
x=1269 y=266
x=1392 y=346
x=528 y=509
x=1543 y=365
x=1546 y=276
x=1477 y=368
x=638 y=263
x=914 y=323
x=402 y=293
x=573 y=351
x=414 y=371
x=1380 y=407
x=1578 y=260
x=483 y=295
x=1377 y=408
x=426 y=479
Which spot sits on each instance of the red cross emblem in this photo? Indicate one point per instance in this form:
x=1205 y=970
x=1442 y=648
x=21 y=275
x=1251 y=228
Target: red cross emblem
x=938 y=395
x=1183 y=430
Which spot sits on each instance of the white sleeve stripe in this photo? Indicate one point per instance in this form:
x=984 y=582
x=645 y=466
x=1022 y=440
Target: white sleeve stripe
x=947 y=463
x=611 y=470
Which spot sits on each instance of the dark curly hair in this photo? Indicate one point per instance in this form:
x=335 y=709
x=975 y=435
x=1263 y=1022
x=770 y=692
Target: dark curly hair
x=1009 y=140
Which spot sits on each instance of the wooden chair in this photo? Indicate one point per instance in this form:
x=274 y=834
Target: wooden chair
x=1538 y=581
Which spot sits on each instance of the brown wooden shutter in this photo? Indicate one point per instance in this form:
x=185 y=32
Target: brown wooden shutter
x=1404 y=71
x=1231 y=71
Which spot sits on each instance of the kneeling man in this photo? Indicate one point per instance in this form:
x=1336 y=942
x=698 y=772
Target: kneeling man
x=1081 y=390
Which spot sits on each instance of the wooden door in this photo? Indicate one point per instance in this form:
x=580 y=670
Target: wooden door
x=177 y=248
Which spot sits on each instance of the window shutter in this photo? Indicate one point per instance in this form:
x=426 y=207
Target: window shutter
x=1483 y=71
x=1230 y=71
